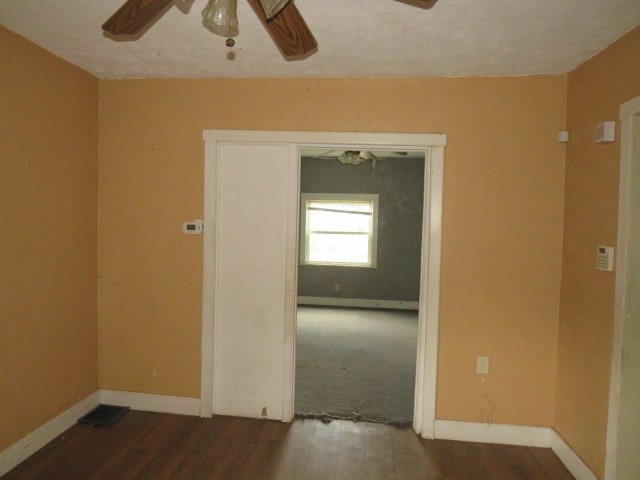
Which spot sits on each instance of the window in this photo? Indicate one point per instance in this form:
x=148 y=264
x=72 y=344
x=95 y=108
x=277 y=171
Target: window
x=339 y=229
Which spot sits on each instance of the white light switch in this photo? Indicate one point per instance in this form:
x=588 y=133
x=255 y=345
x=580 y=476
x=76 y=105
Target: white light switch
x=482 y=365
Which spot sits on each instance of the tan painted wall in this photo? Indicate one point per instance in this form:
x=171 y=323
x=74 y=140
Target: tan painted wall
x=48 y=245
x=596 y=90
x=502 y=221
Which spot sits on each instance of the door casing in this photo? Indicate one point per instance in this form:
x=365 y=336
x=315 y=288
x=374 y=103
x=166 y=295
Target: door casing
x=627 y=111
x=426 y=367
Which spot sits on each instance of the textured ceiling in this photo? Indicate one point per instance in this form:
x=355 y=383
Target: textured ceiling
x=357 y=38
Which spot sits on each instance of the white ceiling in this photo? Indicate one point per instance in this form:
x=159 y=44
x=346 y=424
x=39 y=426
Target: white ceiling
x=357 y=38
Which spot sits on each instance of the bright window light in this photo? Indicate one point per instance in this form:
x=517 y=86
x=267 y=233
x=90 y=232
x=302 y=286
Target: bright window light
x=339 y=229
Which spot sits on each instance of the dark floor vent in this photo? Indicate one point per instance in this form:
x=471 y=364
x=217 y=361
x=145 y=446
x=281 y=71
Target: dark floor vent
x=104 y=415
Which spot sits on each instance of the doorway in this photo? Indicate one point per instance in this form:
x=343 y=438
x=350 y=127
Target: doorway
x=248 y=353
x=623 y=434
x=360 y=239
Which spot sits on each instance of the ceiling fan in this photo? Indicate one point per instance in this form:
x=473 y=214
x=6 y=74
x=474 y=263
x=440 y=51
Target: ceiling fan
x=356 y=157
x=281 y=18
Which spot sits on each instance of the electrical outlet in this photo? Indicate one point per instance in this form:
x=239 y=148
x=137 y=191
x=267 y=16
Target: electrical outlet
x=482 y=365
x=336 y=287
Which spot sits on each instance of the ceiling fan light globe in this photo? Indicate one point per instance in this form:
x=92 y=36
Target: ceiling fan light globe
x=367 y=155
x=351 y=157
x=221 y=18
x=272 y=7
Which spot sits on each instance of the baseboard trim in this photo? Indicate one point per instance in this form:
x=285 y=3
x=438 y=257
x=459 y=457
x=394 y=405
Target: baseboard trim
x=571 y=460
x=493 y=433
x=358 y=302
x=150 y=402
x=27 y=446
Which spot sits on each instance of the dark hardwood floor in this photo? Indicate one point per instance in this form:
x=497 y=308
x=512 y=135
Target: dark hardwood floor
x=157 y=446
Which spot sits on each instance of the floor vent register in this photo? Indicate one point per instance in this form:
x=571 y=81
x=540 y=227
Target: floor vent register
x=104 y=415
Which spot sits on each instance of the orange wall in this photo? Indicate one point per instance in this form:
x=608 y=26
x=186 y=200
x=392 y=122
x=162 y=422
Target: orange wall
x=48 y=246
x=502 y=234
x=595 y=91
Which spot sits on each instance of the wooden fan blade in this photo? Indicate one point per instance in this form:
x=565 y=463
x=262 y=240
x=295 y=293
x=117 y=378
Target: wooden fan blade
x=288 y=30
x=133 y=16
x=426 y=4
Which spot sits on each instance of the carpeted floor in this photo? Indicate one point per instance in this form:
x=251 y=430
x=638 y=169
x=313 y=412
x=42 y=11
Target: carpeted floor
x=356 y=363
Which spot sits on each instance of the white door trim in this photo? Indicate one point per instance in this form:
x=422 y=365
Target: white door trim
x=627 y=111
x=433 y=144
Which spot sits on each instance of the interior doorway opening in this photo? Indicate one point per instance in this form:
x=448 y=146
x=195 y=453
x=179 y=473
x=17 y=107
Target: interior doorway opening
x=358 y=287
x=256 y=312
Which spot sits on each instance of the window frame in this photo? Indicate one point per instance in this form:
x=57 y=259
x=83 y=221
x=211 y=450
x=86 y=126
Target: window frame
x=339 y=197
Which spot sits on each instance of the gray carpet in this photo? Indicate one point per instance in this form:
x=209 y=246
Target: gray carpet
x=356 y=363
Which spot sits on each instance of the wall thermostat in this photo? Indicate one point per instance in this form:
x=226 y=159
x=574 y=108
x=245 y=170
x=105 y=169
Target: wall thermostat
x=605 y=258
x=193 y=228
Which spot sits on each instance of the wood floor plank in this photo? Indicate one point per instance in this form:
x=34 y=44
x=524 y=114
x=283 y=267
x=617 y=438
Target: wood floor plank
x=352 y=448
x=158 y=446
x=138 y=458
x=379 y=460
x=321 y=460
x=231 y=464
x=292 y=456
x=211 y=447
x=467 y=461
x=189 y=447
x=551 y=463
x=263 y=452
x=524 y=463
x=141 y=425
x=411 y=460
x=164 y=462
x=51 y=455
x=494 y=461
x=441 y=454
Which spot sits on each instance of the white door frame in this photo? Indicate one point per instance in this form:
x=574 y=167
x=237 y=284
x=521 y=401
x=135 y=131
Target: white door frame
x=627 y=111
x=433 y=145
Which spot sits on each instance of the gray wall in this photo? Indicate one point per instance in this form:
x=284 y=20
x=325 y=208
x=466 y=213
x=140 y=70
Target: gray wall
x=399 y=184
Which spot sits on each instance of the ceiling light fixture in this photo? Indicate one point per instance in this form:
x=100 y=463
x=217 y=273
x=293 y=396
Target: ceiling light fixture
x=221 y=18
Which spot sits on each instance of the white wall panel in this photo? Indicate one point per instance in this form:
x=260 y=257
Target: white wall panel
x=251 y=259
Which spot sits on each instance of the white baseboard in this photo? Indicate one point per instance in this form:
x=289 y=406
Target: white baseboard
x=515 y=435
x=150 y=402
x=570 y=459
x=493 y=433
x=27 y=446
x=358 y=302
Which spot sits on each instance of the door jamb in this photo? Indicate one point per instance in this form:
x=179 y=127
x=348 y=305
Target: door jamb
x=627 y=111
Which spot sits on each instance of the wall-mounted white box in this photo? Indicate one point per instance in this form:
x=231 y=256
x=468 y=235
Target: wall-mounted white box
x=562 y=136
x=482 y=365
x=606 y=132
